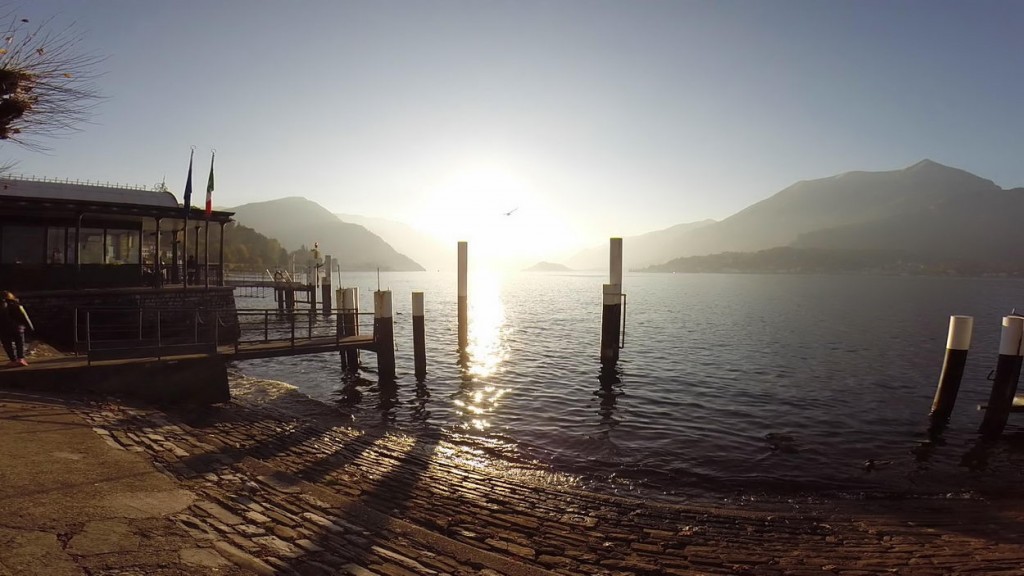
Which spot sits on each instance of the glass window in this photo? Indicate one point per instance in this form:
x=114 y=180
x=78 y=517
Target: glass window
x=55 y=245
x=122 y=247
x=23 y=245
x=91 y=245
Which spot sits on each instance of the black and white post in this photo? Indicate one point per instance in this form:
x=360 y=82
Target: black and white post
x=1004 y=385
x=325 y=287
x=611 y=311
x=348 y=303
x=384 y=333
x=957 y=344
x=419 y=339
x=463 y=295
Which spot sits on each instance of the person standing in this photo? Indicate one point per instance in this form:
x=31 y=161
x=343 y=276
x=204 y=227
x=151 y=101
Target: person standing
x=14 y=321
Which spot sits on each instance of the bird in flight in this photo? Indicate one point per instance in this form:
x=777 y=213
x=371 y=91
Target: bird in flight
x=509 y=213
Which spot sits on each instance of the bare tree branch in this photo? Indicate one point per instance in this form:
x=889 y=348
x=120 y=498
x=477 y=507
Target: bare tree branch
x=46 y=83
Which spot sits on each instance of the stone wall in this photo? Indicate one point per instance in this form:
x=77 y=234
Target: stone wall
x=113 y=312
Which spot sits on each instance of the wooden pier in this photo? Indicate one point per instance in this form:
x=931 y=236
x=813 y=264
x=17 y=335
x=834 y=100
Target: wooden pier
x=171 y=355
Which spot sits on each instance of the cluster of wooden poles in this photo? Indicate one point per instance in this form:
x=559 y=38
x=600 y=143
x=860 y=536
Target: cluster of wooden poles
x=612 y=320
x=1004 y=383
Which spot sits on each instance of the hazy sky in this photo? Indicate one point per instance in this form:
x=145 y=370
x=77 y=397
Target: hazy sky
x=593 y=118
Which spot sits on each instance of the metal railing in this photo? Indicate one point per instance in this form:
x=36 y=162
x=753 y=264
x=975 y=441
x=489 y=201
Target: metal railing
x=264 y=326
x=119 y=333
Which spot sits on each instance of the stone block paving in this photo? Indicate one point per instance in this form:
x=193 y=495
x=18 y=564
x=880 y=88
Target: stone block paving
x=278 y=495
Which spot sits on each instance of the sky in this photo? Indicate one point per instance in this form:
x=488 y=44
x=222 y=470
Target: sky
x=589 y=119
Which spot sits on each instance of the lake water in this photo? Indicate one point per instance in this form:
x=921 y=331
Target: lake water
x=749 y=385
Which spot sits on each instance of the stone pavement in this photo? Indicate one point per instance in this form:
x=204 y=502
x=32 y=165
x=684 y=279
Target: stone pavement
x=71 y=504
x=273 y=494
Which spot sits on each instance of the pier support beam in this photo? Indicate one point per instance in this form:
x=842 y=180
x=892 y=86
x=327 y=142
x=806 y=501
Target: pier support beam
x=325 y=287
x=419 y=340
x=1004 y=386
x=463 y=295
x=348 y=303
x=384 y=333
x=957 y=344
x=611 y=311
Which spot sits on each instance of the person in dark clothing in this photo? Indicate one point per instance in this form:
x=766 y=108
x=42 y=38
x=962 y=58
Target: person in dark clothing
x=14 y=321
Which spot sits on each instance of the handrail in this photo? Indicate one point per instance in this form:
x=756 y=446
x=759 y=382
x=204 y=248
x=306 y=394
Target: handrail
x=160 y=329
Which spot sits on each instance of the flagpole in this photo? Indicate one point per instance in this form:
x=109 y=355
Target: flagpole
x=184 y=231
x=209 y=209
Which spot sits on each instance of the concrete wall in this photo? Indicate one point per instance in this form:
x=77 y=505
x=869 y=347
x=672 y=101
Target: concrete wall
x=191 y=381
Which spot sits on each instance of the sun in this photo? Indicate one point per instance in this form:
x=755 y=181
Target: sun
x=499 y=210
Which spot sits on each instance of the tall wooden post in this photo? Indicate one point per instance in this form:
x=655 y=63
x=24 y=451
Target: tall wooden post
x=1004 y=385
x=349 y=305
x=957 y=344
x=384 y=333
x=463 y=295
x=611 y=311
x=419 y=340
x=325 y=286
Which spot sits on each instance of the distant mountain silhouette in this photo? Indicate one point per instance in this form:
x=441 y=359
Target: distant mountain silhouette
x=638 y=251
x=548 y=267
x=418 y=245
x=925 y=209
x=297 y=222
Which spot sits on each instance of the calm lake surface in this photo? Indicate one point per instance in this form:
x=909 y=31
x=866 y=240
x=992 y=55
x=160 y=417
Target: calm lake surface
x=728 y=385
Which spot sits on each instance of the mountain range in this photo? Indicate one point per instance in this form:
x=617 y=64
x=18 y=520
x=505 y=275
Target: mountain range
x=927 y=210
x=420 y=246
x=927 y=213
x=297 y=222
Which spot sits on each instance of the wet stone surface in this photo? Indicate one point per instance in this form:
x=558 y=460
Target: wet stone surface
x=282 y=496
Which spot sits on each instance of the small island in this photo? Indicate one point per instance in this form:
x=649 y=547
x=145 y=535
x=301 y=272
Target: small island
x=548 y=267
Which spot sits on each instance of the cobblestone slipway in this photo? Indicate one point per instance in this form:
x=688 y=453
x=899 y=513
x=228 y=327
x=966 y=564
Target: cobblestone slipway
x=281 y=495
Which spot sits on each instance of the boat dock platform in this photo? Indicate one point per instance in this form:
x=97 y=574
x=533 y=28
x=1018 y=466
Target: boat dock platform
x=169 y=355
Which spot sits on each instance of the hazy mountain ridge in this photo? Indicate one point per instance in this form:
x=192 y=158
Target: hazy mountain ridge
x=790 y=260
x=926 y=209
x=418 y=245
x=296 y=222
x=640 y=251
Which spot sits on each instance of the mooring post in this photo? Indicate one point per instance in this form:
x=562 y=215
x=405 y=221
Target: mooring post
x=611 y=313
x=463 y=295
x=289 y=298
x=312 y=288
x=957 y=344
x=279 y=297
x=384 y=333
x=1004 y=385
x=325 y=287
x=419 y=341
x=349 y=303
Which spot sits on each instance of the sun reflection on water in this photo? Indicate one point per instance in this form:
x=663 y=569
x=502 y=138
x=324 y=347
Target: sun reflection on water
x=485 y=354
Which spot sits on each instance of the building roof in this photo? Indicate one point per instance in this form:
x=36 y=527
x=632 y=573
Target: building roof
x=50 y=198
x=53 y=190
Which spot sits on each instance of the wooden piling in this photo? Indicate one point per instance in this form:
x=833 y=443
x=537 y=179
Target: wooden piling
x=957 y=344
x=325 y=287
x=1004 y=385
x=419 y=341
x=289 y=298
x=611 y=312
x=384 y=333
x=463 y=295
x=348 y=302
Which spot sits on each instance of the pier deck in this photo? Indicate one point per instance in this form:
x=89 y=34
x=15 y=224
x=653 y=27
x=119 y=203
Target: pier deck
x=244 y=351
